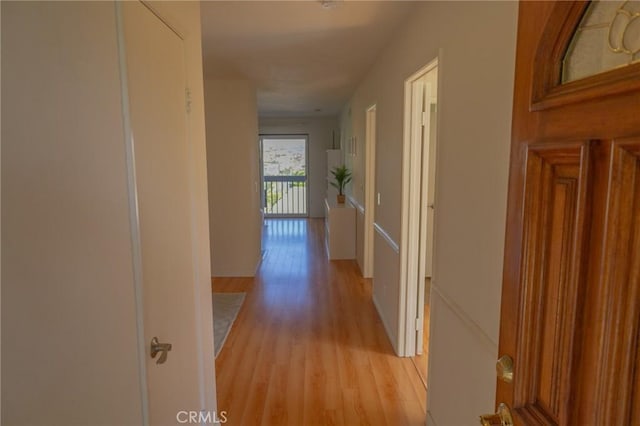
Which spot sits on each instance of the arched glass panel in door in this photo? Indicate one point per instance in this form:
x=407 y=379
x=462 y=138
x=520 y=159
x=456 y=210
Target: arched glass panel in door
x=607 y=37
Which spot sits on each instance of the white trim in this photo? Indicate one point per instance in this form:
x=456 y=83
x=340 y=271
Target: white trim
x=386 y=237
x=422 y=71
x=195 y=233
x=409 y=221
x=369 y=188
x=134 y=220
x=355 y=204
x=475 y=329
x=263 y=253
x=417 y=89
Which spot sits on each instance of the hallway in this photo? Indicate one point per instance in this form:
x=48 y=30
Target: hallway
x=308 y=347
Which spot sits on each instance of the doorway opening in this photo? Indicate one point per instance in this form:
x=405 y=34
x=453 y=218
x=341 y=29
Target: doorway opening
x=418 y=212
x=369 y=189
x=283 y=168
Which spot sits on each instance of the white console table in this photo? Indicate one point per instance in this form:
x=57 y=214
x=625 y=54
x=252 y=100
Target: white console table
x=340 y=229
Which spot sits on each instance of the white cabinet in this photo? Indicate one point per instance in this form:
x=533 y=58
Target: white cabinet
x=340 y=229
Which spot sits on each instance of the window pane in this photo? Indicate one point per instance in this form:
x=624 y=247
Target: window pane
x=607 y=37
x=284 y=157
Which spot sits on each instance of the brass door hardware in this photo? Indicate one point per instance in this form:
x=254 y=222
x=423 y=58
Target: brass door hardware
x=162 y=348
x=504 y=368
x=501 y=418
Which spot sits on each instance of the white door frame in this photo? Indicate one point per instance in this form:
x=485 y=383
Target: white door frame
x=369 y=189
x=412 y=186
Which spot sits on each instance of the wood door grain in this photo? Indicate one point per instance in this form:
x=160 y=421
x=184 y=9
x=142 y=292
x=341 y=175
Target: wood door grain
x=571 y=289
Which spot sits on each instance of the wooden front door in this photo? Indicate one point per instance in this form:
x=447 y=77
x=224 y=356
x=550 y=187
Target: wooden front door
x=571 y=291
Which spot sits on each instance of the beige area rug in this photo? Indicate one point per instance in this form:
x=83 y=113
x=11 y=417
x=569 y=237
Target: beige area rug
x=225 y=310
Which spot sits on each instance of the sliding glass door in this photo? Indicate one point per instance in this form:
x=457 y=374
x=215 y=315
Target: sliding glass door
x=284 y=175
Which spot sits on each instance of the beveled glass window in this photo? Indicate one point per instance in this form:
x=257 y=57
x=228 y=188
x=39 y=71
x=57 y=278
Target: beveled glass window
x=607 y=37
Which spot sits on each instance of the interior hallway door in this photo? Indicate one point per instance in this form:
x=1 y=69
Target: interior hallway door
x=156 y=77
x=418 y=208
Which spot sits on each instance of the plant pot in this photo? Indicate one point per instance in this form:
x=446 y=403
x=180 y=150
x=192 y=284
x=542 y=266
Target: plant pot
x=341 y=199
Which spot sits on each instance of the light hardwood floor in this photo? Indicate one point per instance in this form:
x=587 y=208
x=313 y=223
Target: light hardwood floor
x=308 y=347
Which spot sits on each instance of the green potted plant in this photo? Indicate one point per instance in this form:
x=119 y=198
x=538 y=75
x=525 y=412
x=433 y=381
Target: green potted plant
x=341 y=176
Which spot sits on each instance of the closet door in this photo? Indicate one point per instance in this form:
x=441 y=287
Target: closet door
x=155 y=71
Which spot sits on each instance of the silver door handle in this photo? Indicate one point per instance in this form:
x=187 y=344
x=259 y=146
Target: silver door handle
x=162 y=348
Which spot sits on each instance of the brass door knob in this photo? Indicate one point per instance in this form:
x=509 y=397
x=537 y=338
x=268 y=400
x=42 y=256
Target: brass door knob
x=501 y=418
x=504 y=368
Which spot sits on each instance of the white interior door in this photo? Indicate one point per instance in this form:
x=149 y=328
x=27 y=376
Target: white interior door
x=156 y=78
x=431 y=106
x=369 y=193
x=416 y=271
x=426 y=207
x=422 y=133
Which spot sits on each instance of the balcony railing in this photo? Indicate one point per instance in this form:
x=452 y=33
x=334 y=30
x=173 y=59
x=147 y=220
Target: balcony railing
x=285 y=196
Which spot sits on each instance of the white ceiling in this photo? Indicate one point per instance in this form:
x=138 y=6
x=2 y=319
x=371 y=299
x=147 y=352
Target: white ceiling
x=301 y=57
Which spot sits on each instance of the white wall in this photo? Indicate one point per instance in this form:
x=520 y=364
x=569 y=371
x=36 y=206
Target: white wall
x=475 y=43
x=232 y=158
x=386 y=297
x=322 y=131
x=69 y=343
x=69 y=349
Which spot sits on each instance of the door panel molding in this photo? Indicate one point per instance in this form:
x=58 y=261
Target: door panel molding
x=621 y=264
x=570 y=313
x=556 y=216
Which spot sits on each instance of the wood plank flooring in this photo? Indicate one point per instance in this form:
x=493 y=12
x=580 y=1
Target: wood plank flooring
x=308 y=347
